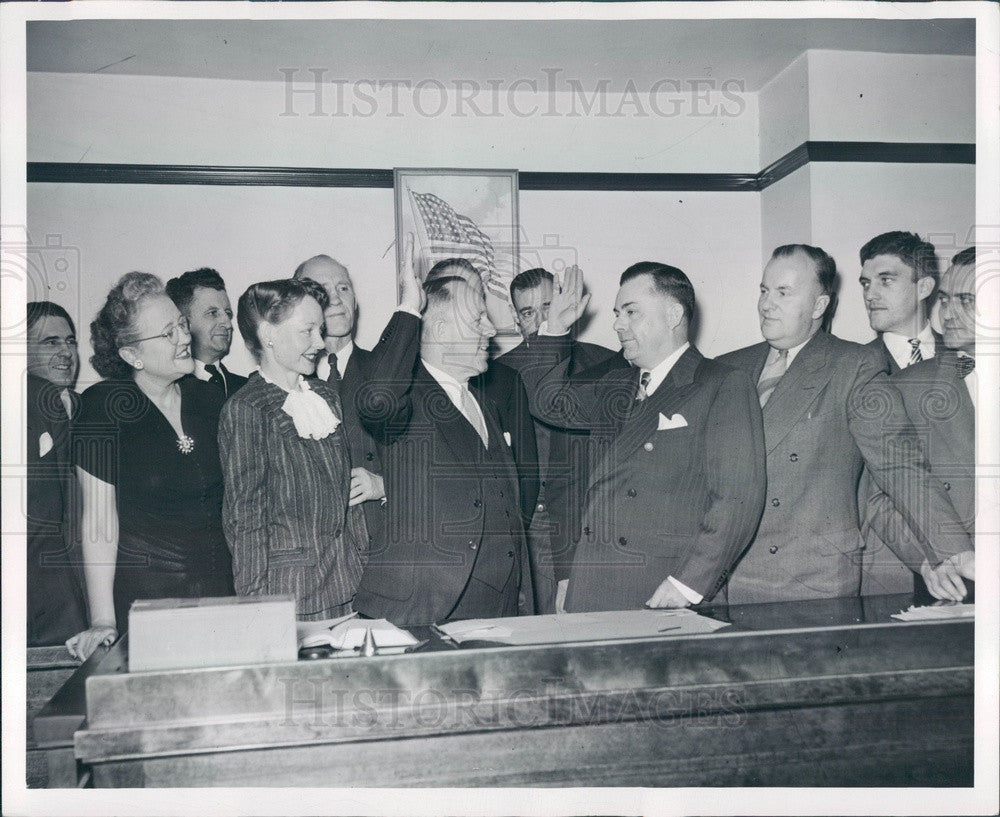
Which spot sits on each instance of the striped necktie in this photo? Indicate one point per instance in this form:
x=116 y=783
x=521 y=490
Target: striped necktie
x=772 y=373
x=915 y=356
x=641 y=394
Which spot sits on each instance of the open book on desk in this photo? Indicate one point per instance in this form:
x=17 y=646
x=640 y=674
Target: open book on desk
x=347 y=635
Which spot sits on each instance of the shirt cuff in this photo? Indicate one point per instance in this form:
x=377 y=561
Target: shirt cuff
x=408 y=311
x=543 y=330
x=684 y=590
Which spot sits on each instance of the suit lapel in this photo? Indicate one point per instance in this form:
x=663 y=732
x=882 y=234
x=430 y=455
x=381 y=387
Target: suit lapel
x=796 y=391
x=457 y=433
x=959 y=431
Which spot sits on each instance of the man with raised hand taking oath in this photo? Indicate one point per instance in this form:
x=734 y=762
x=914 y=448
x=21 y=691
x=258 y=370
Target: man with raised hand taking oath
x=677 y=490
x=454 y=546
x=828 y=408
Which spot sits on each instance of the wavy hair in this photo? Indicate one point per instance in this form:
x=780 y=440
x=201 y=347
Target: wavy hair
x=114 y=326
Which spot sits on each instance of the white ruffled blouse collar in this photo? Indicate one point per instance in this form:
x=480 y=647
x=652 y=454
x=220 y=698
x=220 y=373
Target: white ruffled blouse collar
x=312 y=415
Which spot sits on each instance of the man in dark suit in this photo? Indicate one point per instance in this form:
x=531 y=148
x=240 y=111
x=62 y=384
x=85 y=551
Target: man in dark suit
x=562 y=454
x=940 y=399
x=346 y=366
x=201 y=297
x=677 y=491
x=454 y=544
x=56 y=605
x=828 y=409
x=899 y=278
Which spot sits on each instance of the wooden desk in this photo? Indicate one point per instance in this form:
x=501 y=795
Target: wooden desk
x=48 y=669
x=825 y=693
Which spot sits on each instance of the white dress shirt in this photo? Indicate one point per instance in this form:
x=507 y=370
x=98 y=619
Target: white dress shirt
x=900 y=349
x=343 y=356
x=462 y=399
x=660 y=371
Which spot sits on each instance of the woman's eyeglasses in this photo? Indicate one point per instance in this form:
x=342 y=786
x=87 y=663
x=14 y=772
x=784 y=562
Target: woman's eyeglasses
x=175 y=334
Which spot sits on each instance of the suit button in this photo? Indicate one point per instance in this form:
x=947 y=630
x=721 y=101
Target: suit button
x=476 y=503
x=472 y=545
x=622 y=541
x=369 y=456
x=501 y=493
x=648 y=446
x=631 y=492
x=947 y=486
x=793 y=457
x=586 y=531
x=772 y=549
x=339 y=532
x=510 y=554
x=776 y=502
x=540 y=507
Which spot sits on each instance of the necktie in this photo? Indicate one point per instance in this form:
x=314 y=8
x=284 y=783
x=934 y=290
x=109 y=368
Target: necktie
x=215 y=376
x=471 y=411
x=915 y=356
x=334 y=377
x=67 y=403
x=965 y=365
x=772 y=373
x=641 y=394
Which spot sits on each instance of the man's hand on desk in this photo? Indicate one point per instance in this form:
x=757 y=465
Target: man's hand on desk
x=667 y=595
x=945 y=580
x=82 y=645
x=365 y=486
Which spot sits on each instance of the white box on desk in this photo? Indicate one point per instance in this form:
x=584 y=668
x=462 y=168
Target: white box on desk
x=166 y=634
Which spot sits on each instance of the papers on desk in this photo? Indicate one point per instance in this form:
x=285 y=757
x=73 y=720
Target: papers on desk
x=575 y=627
x=936 y=612
x=347 y=635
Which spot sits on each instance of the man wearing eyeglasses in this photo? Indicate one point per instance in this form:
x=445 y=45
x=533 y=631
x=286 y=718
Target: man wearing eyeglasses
x=201 y=297
x=56 y=608
x=562 y=454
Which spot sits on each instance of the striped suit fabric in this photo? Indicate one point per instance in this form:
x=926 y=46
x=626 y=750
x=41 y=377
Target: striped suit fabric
x=285 y=511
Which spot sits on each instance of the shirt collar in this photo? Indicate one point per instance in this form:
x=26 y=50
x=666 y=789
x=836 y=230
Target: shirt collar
x=659 y=372
x=199 y=370
x=900 y=349
x=445 y=380
x=792 y=353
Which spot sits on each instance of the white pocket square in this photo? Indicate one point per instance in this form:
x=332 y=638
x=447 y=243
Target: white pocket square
x=44 y=444
x=674 y=421
x=506 y=438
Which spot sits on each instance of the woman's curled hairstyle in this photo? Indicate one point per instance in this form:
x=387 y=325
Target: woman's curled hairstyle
x=114 y=327
x=271 y=301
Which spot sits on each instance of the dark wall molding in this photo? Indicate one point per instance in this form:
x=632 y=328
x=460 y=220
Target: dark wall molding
x=892 y=152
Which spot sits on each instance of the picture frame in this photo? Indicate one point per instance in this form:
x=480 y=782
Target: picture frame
x=463 y=213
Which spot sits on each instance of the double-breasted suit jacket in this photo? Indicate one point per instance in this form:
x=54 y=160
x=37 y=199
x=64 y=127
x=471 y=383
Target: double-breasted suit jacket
x=678 y=485
x=938 y=404
x=833 y=411
x=285 y=509
x=452 y=503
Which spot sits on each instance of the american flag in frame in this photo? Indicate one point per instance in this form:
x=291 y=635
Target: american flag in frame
x=471 y=214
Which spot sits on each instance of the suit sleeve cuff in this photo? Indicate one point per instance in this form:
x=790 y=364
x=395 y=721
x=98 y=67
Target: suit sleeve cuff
x=543 y=330
x=408 y=311
x=684 y=590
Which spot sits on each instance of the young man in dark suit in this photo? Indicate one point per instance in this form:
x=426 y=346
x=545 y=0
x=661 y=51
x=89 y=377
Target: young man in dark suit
x=899 y=279
x=454 y=544
x=676 y=493
x=562 y=454
x=829 y=409
x=56 y=605
x=347 y=366
x=940 y=399
x=201 y=297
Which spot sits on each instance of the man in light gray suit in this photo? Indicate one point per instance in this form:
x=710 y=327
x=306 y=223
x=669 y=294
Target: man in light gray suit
x=829 y=409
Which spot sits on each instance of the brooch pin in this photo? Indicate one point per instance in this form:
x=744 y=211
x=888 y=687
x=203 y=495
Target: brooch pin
x=185 y=444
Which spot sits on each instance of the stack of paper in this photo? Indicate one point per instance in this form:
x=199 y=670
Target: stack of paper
x=574 y=627
x=937 y=611
x=347 y=634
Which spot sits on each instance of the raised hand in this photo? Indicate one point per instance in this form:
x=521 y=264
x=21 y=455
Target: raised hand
x=411 y=294
x=568 y=302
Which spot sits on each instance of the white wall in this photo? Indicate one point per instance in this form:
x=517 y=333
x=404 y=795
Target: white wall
x=168 y=120
x=783 y=105
x=256 y=233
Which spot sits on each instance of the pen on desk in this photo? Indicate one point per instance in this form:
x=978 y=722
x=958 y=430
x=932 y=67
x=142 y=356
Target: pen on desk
x=665 y=629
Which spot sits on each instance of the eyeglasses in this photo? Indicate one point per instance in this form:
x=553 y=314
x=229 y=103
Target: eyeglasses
x=175 y=334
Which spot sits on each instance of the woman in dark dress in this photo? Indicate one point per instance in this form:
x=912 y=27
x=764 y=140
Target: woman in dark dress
x=147 y=456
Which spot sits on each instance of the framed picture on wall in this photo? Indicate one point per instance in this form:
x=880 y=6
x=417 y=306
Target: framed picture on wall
x=469 y=214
